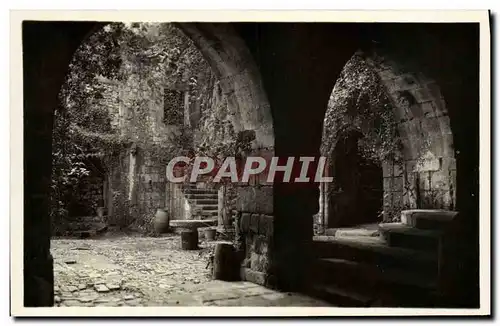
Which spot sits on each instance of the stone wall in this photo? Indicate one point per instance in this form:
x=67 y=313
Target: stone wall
x=427 y=177
x=423 y=175
x=254 y=232
x=138 y=177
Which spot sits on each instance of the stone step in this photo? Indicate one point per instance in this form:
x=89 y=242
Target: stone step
x=402 y=235
x=350 y=232
x=428 y=219
x=200 y=191
x=373 y=250
x=205 y=201
x=209 y=211
x=207 y=207
x=201 y=196
x=208 y=214
x=388 y=297
x=338 y=296
x=372 y=277
x=195 y=186
x=372 y=285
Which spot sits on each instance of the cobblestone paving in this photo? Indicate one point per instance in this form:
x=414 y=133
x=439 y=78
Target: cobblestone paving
x=142 y=271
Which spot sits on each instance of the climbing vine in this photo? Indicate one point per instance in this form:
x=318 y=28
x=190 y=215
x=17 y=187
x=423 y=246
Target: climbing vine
x=142 y=56
x=359 y=102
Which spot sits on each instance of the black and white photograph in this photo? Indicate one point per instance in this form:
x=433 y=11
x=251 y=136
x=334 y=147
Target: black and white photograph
x=315 y=162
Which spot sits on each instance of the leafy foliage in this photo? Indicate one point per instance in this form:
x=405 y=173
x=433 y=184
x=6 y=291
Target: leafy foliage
x=359 y=103
x=85 y=126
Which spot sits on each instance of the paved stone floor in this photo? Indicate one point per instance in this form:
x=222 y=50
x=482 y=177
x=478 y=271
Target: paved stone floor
x=147 y=271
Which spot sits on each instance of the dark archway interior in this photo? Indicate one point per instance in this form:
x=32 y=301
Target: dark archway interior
x=298 y=64
x=358 y=189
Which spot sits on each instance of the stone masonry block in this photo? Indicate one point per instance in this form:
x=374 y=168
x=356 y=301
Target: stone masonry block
x=254 y=223
x=406 y=82
x=388 y=184
x=416 y=110
x=397 y=199
x=387 y=200
x=254 y=261
x=410 y=166
x=258 y=243
x=266 y=225
x=397 y=184
x=245 y=222
x=428 y=109
x=255 y=199
x=439 y=180
x=398 y=170
x=422 y=95
x=387 y=169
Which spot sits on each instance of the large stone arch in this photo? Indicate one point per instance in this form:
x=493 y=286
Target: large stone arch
x=45 y=66
x=232 y=62
x=431 y=73
x=298 y=64
x=425 y=175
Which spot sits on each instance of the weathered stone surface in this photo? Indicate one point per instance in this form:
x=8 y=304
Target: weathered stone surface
x=266 y=225
x=253 y=276
x=255 y=199
x=151 y=272
x=254 y=223
x=427 y=163
x=113 y=286
x=245 y=222
x=397 y=184
x=87 y=299
x=101 y=288
x=398 y=170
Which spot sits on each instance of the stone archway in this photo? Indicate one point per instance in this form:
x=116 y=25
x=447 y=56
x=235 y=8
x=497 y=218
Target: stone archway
x=224 y=51
x=420 y=170
x=298 y=68
x=427 y=86
x=239 y=77
x=355 y=197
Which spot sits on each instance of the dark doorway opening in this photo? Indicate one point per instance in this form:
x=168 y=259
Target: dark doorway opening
x=356 y=196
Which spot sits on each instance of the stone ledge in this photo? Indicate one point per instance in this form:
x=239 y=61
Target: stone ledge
x=191 y=224
x=428 y=218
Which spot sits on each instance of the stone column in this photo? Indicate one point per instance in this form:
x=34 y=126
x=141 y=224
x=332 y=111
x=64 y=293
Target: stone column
x=225 y=227
x=47 y=50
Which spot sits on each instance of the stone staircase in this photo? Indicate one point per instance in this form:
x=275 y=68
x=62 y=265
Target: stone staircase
x=397 y=266
x=203 y=202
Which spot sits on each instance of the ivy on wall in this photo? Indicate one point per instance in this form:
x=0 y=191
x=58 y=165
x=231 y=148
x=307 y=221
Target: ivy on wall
x=143 y=57
x=359 y=102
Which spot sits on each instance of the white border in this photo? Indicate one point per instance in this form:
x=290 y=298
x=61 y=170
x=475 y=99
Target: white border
x=16 y=175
